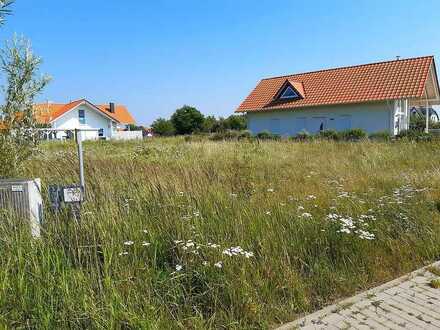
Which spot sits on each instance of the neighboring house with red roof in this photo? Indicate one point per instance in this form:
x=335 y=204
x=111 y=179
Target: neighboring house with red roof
x=375 y=97
x=108 y=120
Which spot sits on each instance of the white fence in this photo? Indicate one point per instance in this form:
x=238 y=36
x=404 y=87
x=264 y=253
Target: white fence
x=127 y=135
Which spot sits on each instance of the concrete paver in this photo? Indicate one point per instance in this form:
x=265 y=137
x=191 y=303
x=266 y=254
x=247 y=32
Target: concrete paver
x=405 y=303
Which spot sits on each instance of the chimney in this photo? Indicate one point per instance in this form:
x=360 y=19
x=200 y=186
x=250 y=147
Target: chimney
x=112 y=107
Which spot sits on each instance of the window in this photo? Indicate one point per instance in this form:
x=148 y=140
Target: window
x=82 y=117
x=288 y=93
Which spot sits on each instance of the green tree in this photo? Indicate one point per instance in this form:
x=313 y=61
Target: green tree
x=163 y=127
x=209 y=124
x=19 y=136
x=236 y=122
x=187 y=120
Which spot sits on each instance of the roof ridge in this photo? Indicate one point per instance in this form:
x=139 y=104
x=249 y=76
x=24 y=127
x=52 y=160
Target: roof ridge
x=350 y=67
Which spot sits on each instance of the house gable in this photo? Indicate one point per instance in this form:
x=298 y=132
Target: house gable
x=384 y=81
x=75 y=105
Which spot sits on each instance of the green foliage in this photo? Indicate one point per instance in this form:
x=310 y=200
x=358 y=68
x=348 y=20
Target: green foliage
x=163 y=127
x=5 y=10
x=18 y=136
x=303 y=136
x=414 y=135
x=209 y=124
x=380 y=136
x=187 y=120
x=354 y=134
x=418 y=123
x=330 y=134
x=231 y=135
x=236 y=122
x=266 y=135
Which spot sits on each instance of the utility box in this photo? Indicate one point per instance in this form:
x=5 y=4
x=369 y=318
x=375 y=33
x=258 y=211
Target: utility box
x=24 y=199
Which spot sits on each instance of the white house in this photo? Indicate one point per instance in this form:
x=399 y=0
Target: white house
x=104 y=121
x=375 y=97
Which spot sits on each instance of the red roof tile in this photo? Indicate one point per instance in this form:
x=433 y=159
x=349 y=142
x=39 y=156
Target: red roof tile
x=47 y=112
x=355 y=84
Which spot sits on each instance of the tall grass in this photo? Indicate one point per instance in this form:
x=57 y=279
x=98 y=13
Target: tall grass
x=151 y=249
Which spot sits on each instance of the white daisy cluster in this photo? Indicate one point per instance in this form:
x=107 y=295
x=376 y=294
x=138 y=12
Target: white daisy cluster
x=306 y=215
x=350 y=225
x=237 y=251
x=400 y=195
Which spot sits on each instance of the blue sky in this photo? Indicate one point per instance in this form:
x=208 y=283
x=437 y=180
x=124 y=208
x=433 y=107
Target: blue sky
x=155 y=56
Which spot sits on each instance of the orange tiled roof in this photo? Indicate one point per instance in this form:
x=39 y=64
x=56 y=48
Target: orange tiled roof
x=47 y=112
x=355 y=84
x=121 y=113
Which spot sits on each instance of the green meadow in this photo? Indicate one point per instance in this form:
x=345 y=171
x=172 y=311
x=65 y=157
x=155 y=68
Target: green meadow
x=189 y=233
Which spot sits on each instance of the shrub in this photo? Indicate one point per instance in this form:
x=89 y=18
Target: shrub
x=266 y=135
x=330 y=134
x=230 y=135
x=354 y=134
x=303 y=136
x=414 y=135
x=380 y=136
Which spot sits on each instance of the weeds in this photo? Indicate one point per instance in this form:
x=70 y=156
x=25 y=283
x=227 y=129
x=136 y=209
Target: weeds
x=237 y=234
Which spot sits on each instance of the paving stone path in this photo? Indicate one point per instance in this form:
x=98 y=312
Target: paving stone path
x=408 y=302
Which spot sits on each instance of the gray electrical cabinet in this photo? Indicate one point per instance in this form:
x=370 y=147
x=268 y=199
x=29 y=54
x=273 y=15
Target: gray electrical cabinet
x=24 y=199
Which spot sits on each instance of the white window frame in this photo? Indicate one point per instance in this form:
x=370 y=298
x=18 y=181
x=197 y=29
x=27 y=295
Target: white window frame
x=283 y=97
x=84 y=117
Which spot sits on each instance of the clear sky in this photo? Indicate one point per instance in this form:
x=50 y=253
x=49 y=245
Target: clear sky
x=155 y=56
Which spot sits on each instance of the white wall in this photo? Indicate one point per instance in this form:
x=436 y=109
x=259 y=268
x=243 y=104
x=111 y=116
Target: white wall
x=372 y=117
x=94 y=119
x=127 y=135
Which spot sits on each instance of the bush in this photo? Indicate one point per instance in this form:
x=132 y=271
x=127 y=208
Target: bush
x=266 y=135
x=380 y=136
x=230 y=135
x=354 y=134
x=330 y=134
x=414 y=135
x=303 y=136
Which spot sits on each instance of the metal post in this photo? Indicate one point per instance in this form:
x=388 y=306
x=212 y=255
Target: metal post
x=81 y=160
x=427 y=117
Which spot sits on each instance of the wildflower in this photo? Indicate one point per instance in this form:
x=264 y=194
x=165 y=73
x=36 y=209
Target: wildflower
x=268 y=213
x=128 y=243
x=282 y=204
x=270 y=190
x=234 y=195
x=179 y=268
x=178 y=242
x=365 y=235
x=124 y=253
x=311 y=197
x=248 y=254
x=306 y=215
x=145 y=231
x=219 y=264
x=181 y=193
x=146 y=244
x=205 y=263
x=300 y=208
